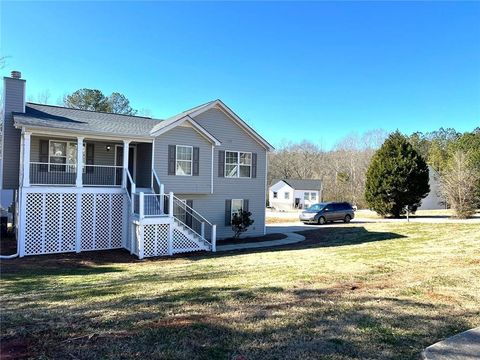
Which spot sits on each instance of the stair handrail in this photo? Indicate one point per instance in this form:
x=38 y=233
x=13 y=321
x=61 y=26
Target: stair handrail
x=195 y=215
x=128 y=178
x=196 y=233
x=192 y=210
x=155 y=179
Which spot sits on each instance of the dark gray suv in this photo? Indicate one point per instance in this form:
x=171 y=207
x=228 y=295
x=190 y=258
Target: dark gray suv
x=327 y=212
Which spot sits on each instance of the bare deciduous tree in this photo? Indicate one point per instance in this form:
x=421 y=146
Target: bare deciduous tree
x=42 y=97
x=341 y=170
x=459 y=185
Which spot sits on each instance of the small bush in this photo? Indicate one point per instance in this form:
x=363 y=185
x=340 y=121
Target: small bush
x=240 y=222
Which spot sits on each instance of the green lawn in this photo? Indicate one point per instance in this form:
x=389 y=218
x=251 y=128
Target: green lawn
x=380 y=291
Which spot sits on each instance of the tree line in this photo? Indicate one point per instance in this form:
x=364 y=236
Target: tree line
x=343 y=170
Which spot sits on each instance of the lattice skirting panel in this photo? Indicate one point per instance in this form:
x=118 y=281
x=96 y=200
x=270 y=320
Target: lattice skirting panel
x=155 y=239
x=51 y=224
x=182 y=243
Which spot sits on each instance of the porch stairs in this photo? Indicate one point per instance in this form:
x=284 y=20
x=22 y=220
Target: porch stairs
x=161 y=224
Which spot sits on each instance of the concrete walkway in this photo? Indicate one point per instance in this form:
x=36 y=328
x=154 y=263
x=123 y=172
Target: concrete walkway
x=291 y=238
x=463 y=346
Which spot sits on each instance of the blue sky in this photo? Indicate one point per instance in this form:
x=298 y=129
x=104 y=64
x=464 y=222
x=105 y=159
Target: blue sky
x=315 y=71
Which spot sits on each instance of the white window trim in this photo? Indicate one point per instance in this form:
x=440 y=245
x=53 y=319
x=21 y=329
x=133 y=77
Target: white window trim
x=286 y=195
x=275 y=194
x=238 y=164
x=311 y=197
x=231 y=207
x=67 y=164
x=191 y=160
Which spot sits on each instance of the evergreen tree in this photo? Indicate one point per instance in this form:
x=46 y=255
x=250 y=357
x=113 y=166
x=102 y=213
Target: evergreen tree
x=95 y=100
x=397 y=177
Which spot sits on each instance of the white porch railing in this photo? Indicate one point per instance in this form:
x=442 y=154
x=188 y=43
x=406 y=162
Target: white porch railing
x=42 y=173
x=102 y=175
x=52 y=173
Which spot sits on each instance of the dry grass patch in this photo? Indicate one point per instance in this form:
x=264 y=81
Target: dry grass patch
x=371 y=291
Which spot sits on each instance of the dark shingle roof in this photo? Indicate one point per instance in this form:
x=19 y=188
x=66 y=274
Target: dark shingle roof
x=83 y=120
x=301 y=184
x=177 y=117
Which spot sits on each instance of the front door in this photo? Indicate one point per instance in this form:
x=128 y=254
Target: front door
x=119 y=162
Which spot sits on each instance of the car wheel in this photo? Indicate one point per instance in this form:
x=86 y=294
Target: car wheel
x=321 y=220
x=347 y=219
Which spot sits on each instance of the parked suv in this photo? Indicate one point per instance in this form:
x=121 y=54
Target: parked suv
x=325 y=212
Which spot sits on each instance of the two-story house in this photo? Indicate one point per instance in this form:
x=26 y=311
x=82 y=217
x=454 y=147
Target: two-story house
x=88 y=180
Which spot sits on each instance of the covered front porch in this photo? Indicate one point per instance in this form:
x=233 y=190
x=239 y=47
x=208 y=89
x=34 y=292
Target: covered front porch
x=56 y=160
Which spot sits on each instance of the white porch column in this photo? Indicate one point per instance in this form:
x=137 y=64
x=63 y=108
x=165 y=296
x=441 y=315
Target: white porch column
x=214 y=238
x=79 y=181
x=126 y=145
x=26 y=158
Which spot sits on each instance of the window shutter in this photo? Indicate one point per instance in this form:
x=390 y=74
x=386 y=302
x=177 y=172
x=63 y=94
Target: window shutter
x=221 y=163
x=89 y=157
x=245 y=205
x=228 y=212
x=171 y=159
x=44 y=155
x=196 y=161
x=254 y=165
x=188 y=218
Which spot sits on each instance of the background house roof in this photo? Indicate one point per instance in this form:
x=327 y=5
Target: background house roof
x=58 y=117
x=301 y=184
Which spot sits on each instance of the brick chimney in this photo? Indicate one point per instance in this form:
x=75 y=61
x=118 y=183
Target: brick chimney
x=14 y=101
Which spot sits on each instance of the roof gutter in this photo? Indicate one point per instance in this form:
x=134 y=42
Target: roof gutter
x=93 y=134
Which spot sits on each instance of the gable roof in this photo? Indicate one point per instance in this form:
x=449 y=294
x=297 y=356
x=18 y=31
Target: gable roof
x=57 y=117
x=169 y=125
x=301 y=184
x=210 y=105
x=95 y=122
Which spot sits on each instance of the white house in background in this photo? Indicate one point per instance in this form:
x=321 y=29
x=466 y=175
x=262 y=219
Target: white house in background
x=433 y=201
x=288 y=194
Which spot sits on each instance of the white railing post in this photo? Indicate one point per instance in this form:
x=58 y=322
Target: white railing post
x=26 y=158
x=202 y=230
x=141 y=240
x=141 y=205
x=126 y=146
x=162 y=202
x=133 y=203
x=170 y=227
x=214 y=238
x=78 y=228
x=170 y=204
x=79 y=180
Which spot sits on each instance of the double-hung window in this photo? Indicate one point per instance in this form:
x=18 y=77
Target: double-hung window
x=237 y=206
x=63 y=153
x=287 y=195
x=184 y=160
x=306 y=196
x=313 y=196
x=275 y=195
x=238 y=164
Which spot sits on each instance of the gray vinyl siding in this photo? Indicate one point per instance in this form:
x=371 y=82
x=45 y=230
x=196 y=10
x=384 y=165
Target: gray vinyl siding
x=182 y=135
x=14 y=102
x=212 y=206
